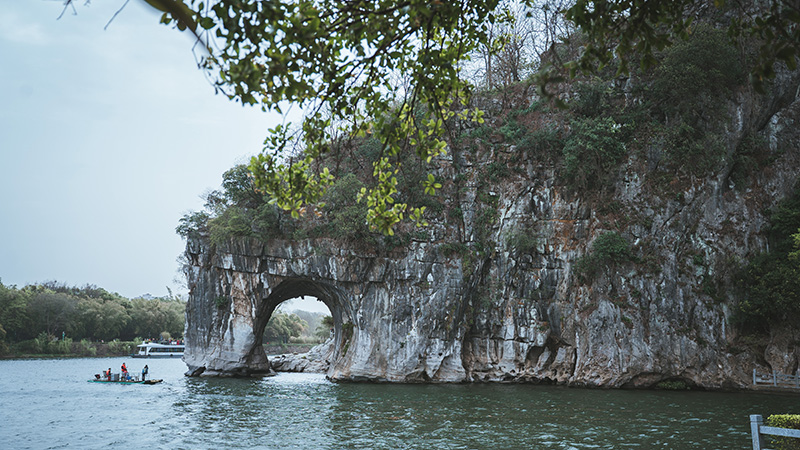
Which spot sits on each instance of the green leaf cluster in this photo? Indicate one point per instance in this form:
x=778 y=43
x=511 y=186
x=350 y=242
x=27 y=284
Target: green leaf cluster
x=621 y=31
x=608 y=250
x=541 y=142
x=323 y=330
x=347 y=219
x=239 y=209
x=689 y=92
x=592 y=150
x=696 y=73
x=47 y=344
x=612 y=247
x=784 y=421
x=283 y=326
x=392 y=71
x=592 y=98
x=770 y=282
x=339 y=61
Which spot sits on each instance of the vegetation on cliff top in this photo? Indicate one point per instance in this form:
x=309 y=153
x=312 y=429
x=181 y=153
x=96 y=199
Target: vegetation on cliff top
x=585 y=143
x=771 y=281
x=394 y=70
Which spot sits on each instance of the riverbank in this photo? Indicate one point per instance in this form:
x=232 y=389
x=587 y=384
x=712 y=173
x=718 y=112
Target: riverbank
x=67 y=348
x=87 y=349
x=281 y=349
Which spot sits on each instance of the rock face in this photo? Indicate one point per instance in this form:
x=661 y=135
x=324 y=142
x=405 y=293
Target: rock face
x=393 y=321
x=317 y=360
x=433 y=313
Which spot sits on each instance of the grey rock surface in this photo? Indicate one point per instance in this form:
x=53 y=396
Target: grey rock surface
x=428 y=315
x=316 y=360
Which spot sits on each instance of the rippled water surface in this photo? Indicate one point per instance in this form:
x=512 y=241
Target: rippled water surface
x=49 y=404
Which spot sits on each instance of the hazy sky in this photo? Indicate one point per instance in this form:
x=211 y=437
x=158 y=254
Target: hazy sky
x=106 y=139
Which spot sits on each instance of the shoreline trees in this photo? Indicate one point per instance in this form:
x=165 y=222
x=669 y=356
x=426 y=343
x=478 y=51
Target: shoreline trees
x=53 y=311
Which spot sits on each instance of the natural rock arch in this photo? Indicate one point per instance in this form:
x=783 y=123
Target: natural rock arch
x=289 y=288
x=388 y=325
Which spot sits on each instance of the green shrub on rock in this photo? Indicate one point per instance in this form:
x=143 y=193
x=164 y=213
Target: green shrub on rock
x=522 y=241
x=348 y=218
x=696 y=73
x=770 y=282
x=688 y=93
x=607 y=250
x=611 y=247
x=592 y=99
x=592 y=150
x=784 y=421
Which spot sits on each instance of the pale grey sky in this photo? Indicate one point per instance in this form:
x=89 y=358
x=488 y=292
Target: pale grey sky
x=106 y=139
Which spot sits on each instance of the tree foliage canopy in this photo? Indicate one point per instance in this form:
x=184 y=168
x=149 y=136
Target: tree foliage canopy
x=384 y=68
x=283 y=326
x=86 y=312
x=771 y=281
x=391 y=70
x=618 y=29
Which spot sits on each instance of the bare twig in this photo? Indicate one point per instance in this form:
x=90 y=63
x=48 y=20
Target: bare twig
x=67 y=4
x=115 y=14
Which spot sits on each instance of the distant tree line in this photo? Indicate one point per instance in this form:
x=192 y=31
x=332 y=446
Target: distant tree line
x=281 y=327
x=298 y=327
x=53 y=310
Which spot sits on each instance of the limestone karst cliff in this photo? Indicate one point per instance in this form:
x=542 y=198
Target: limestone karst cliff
x=501 y=285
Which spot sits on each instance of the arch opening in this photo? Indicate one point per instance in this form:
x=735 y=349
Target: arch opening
x=292 y=288
x=298 y=322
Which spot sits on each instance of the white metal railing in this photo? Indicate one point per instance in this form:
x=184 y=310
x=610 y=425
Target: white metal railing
x=776 y=379
x=758 y=430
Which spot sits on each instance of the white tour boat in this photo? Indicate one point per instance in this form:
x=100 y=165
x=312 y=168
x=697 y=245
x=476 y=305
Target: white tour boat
x=153 y=350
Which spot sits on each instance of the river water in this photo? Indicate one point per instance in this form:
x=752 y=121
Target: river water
x=48 y=404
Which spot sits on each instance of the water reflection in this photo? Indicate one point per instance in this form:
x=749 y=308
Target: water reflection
x=290 y=410
x=309 y=412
